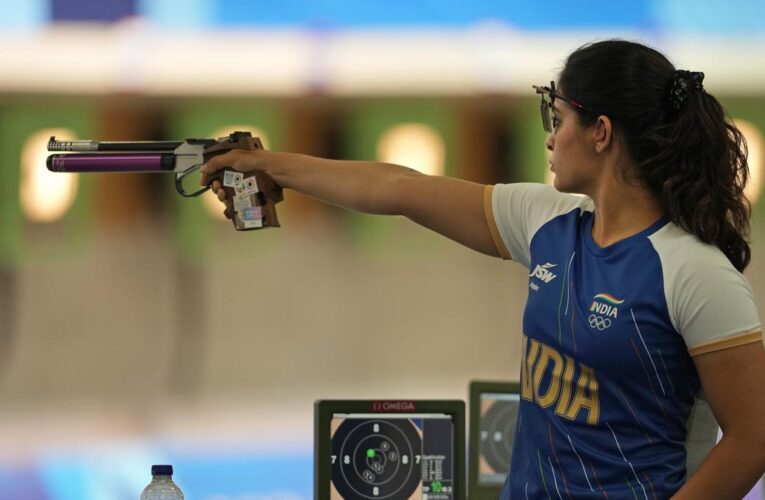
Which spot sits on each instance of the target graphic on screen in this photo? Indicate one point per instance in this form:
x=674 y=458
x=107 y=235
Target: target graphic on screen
x=497 y=429
x=376 y=458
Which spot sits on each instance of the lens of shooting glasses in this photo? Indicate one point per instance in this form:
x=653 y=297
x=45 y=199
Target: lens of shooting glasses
x=544 y=109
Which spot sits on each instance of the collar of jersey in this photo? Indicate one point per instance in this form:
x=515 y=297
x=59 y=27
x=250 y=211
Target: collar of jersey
x=627 y=242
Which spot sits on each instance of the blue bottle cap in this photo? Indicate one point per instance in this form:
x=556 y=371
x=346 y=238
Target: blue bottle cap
x=161 y=470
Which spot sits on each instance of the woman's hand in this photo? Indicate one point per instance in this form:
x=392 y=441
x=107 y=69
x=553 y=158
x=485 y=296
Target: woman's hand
x=238 y=159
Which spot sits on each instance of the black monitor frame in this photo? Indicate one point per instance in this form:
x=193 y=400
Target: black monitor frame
x=476 y=491
x=324 y=409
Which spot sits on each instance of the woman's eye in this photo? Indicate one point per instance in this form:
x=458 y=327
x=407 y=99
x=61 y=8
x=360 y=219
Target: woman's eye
x=555 y=122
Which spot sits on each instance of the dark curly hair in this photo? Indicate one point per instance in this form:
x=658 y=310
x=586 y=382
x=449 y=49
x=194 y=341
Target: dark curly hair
x=693 y=160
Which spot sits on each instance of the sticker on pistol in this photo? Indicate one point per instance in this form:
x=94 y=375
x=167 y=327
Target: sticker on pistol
x=250 y=185
x=242 y=201
x=232 y=179
x=252 y=217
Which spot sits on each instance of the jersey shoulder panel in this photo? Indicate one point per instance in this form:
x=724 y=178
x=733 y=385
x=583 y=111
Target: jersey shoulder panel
x=708 y=300
x=520 y=209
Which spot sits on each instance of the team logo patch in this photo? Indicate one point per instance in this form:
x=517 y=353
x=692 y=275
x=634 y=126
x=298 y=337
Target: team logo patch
x=603 y=311
x=543 y=272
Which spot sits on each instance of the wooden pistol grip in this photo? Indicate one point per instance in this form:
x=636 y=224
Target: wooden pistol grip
x=253 y=195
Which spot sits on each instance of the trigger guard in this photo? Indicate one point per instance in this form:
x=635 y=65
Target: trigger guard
x=179 y=183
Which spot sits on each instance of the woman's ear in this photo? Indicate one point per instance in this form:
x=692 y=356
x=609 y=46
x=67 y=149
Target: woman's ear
x=602 y=133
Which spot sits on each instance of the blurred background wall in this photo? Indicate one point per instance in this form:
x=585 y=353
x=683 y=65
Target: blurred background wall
x=140 y=328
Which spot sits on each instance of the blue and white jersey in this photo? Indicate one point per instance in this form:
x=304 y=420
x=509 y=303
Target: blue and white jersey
x=607 y=379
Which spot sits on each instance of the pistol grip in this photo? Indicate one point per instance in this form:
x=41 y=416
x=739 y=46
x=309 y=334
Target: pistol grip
x=252 y=195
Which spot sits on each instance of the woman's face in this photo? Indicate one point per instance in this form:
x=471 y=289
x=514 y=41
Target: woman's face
x=573 y=159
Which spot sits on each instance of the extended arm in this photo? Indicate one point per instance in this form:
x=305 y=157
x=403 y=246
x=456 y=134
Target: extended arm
x=451 y=207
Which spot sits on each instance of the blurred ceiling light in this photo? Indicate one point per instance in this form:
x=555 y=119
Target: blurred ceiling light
x=413 y=145
x=756 y=145
x=45 y=196
x=212 y=205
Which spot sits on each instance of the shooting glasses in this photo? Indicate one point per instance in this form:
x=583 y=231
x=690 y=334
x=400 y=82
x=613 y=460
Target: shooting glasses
x=549 y=94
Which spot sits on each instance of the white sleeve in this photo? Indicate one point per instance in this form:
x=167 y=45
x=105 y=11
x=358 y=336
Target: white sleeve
x=710 y=303
x=517 y=211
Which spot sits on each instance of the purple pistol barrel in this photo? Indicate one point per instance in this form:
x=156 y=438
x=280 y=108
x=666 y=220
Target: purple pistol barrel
x=112 y=162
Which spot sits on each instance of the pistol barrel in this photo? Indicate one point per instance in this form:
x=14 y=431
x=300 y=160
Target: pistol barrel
x=111 y=162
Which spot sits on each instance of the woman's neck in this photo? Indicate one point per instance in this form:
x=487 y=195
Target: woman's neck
x=622 y=210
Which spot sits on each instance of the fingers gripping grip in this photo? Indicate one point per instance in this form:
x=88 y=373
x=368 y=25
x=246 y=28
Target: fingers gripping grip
x=251 y=198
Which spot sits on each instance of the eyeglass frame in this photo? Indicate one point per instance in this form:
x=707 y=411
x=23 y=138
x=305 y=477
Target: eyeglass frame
x=546 y=108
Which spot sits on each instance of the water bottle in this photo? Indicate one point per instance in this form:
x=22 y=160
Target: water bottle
x=162 y=486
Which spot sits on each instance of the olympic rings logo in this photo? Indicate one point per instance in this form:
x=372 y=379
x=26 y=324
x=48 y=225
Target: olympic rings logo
x=599 y=322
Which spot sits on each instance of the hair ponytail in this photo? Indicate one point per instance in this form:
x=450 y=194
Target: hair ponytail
x=696 y=166
x=686 y=152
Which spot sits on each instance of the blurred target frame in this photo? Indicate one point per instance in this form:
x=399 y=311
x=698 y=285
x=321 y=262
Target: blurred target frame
x=493 y=417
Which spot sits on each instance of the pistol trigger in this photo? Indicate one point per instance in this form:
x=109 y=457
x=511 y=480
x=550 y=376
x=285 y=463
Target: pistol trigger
x=180 y=176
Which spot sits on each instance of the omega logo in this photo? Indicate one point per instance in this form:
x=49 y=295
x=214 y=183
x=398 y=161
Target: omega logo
x=392 y=406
